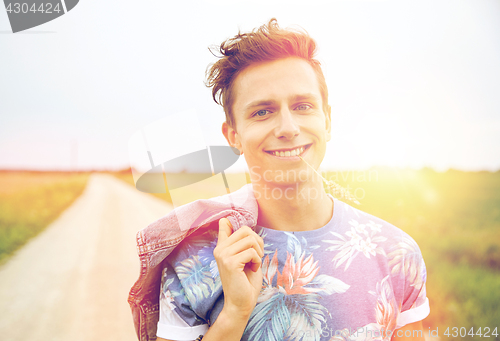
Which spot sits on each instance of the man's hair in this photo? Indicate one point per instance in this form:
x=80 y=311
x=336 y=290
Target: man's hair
x=267 y=43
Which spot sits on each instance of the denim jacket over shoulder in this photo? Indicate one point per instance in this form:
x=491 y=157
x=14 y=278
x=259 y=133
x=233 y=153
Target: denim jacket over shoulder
x=156 y=242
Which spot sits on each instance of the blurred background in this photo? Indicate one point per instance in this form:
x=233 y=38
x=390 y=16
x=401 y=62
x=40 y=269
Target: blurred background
x=416 y=136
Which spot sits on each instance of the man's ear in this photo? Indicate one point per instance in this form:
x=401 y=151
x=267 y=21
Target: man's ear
x=231 y=136
x=328 y=117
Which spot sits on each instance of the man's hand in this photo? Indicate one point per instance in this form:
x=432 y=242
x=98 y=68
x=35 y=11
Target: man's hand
x=239 y=259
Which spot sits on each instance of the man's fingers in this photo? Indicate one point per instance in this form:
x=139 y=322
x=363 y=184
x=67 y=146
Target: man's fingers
x=244 y=232
x=245 y=243
x=255 y=266
x=251 y=258
x=260 y=240
x=233 y=243
x=225 y=229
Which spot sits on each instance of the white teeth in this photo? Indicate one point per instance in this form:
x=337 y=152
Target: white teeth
x=294 y=152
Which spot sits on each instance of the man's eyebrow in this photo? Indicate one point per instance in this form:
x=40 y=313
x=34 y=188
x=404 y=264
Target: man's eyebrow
x=294 y=98
x=302 y=97
x=260 y=103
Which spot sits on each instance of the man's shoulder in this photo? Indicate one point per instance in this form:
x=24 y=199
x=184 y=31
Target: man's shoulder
x=357 y=220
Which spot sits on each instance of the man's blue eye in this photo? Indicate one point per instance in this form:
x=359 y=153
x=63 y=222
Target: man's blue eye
x=261 y=112
x=303 y=107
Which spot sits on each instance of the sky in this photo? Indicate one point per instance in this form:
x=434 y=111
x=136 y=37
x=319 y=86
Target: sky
x=411 y=84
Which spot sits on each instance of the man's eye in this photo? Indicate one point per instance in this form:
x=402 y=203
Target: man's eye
x=261 y=113
x=303 y=107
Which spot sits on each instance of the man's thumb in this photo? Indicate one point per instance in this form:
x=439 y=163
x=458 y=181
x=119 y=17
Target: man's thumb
x=225 y=229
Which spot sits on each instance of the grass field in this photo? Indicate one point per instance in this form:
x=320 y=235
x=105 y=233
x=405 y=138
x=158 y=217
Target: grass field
x=30 y=201
x=454 y=217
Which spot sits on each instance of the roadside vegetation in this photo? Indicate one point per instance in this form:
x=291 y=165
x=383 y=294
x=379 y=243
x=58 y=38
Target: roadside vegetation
x=30 y=201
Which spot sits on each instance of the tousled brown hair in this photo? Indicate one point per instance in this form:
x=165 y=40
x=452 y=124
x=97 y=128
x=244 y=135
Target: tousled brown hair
x=268 y=42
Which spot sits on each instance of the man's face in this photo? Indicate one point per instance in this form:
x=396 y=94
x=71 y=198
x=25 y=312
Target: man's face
x=278 y=112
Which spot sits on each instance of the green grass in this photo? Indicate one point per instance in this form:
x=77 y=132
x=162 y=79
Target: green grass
x=462 y=295
x=30 y=201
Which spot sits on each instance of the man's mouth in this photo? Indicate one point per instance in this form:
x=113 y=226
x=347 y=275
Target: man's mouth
x=290 y=152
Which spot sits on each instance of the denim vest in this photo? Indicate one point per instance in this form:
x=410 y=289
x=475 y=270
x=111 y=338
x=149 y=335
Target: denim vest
x=157 y=240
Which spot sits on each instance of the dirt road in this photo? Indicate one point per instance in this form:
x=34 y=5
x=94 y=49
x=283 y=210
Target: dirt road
x=71 y=282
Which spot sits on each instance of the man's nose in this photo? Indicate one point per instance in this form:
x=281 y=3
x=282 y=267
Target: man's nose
x=287 y=126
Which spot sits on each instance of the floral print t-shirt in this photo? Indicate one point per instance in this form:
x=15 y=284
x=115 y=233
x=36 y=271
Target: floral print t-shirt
x=356 y=278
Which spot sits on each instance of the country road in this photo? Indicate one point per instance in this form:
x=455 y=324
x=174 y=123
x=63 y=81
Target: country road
x=71 y=282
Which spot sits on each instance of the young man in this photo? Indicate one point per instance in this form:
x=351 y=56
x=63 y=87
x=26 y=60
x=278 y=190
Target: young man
x=311 y=267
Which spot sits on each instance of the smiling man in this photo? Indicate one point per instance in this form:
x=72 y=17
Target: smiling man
x=312 y=267
x=279 y=114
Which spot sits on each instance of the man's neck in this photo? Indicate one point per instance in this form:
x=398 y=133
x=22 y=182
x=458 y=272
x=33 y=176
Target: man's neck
x=293 y=207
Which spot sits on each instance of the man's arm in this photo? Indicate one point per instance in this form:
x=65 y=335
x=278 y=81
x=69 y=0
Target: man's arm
x=411 y=332
x=239 y=259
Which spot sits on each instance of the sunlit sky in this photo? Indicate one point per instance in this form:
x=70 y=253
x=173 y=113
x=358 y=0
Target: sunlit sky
x=411 y=83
